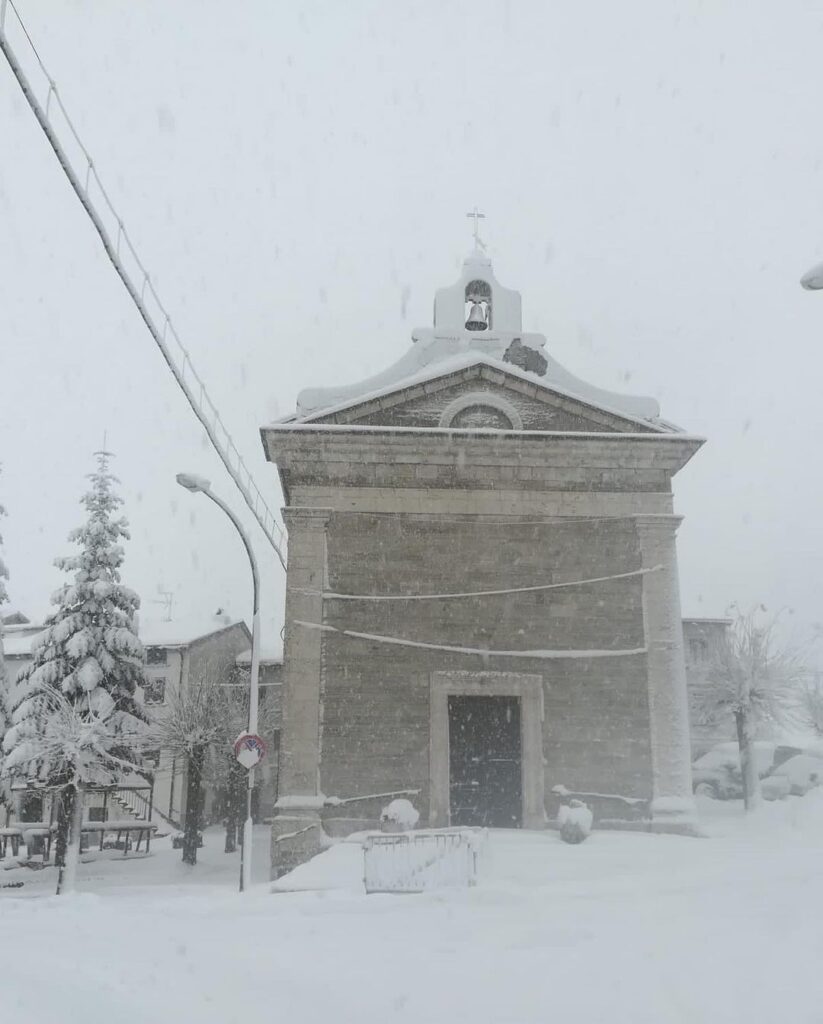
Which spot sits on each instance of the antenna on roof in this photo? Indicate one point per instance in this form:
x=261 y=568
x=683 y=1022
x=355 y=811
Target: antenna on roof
x=167 y=600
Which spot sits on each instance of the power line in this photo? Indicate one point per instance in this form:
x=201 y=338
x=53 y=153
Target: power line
x=137 y=281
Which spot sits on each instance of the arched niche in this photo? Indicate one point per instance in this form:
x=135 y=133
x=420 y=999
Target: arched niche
x=481 y=410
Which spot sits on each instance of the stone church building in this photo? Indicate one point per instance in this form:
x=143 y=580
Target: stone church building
x=482 y=594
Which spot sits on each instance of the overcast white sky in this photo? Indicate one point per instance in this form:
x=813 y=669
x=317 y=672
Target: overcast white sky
x=296 y=177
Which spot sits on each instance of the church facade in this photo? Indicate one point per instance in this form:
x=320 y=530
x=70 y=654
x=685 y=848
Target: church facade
x=482 y=604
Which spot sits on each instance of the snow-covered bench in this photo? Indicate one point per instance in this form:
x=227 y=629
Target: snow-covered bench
x=31 y=834
x=10 y=836
x=127 y=827
x=40 y=834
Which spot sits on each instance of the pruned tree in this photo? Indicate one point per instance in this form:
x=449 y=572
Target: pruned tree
x=191 y=725
x=754 y=679
x=199 y=726
x=811 y=704
x=86 y=667
x=229 y=777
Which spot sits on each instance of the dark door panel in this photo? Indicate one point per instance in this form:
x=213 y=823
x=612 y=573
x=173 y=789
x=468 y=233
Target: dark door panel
x=485 y=761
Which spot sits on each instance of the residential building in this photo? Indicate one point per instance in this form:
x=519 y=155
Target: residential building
x=703 y=640
x=178 y=654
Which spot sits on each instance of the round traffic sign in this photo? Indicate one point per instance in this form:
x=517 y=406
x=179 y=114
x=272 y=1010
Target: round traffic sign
x=249 y=749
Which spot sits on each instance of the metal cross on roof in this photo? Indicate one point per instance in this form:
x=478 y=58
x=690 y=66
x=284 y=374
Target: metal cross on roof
x=478 y=216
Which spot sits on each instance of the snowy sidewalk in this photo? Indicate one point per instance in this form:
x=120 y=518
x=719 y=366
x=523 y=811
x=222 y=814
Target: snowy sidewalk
x=625 y=928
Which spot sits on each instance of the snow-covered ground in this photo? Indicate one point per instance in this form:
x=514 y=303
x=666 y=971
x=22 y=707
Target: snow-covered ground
x=625 y=927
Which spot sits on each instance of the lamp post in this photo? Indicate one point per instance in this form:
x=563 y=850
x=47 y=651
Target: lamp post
x=812 y=280
x=195 y=484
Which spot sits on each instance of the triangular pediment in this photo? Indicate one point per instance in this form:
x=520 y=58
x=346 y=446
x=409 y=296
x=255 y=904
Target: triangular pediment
x=482 y=396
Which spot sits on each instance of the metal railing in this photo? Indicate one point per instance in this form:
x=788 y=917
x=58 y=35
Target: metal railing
x=141 y=805
x=29 y=70
x=424 y=860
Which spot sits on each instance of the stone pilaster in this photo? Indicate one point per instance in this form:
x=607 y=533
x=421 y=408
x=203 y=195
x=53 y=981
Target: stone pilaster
x=673 y=807
x=297 y=832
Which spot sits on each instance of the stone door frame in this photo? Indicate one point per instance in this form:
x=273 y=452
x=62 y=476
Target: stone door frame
x=529 y=688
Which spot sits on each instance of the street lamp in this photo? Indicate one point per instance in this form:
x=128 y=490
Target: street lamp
x=812 y=280
x=197 y=483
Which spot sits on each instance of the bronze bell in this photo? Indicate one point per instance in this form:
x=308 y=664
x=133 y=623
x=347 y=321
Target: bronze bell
x=477 y=318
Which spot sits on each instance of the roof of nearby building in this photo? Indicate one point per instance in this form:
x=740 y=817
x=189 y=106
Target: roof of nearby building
x=181 y=632
x=272 y=655
x=17 y=639
x=13 y=617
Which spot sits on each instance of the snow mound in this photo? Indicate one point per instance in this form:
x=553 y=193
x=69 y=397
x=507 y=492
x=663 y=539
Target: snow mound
x=575 y=821
x=401 y=814
x=807 y=814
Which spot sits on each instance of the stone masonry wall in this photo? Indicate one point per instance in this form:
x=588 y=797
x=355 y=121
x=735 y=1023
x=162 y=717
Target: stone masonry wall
x=375 y=728
x=536 y=415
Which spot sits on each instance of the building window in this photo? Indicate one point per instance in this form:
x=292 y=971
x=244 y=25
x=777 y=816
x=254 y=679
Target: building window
x=698 y=651
x=154 y=690
x=156 y=656
x=31 y=807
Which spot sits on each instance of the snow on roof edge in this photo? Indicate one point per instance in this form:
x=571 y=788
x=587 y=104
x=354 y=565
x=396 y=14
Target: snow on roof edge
x=611 y=435
x=464 y=361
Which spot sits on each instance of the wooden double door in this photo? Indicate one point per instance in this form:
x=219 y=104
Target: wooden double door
x=485 y=761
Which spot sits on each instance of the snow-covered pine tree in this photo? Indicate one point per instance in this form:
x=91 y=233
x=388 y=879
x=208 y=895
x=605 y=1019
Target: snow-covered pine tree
x=5 y=682
x=4 y=575
x=76 y=720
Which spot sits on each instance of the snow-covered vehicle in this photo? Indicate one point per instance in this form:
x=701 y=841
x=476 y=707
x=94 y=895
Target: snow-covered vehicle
x=717 y=773
x=800 y=773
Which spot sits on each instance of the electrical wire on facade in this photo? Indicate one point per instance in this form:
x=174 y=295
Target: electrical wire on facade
x=553 y=655
x=329 y=595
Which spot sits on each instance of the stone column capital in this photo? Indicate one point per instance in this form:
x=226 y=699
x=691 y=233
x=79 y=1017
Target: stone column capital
x=306 y=516
x=665 y=524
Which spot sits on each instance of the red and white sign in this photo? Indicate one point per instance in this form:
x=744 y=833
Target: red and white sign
x=249 y=749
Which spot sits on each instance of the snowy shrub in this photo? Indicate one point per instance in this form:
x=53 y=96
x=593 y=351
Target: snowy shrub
x=575 y=821
x=399 y=816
